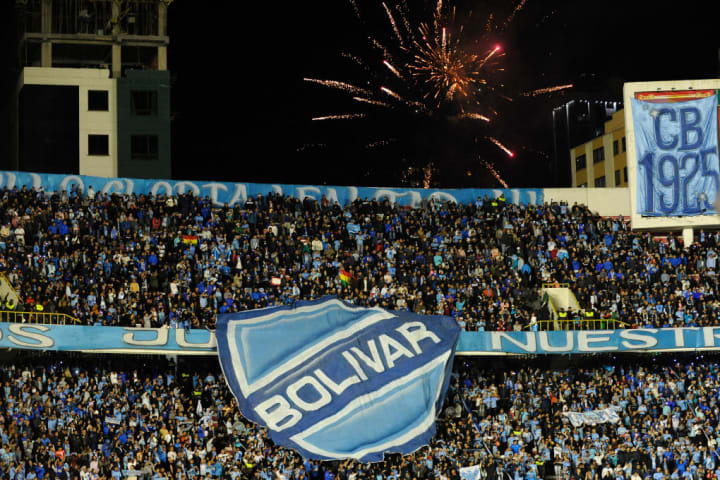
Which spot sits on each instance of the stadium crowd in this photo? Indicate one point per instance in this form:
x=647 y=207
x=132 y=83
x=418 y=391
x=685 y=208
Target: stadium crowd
x=129 y=418
x=179 y=260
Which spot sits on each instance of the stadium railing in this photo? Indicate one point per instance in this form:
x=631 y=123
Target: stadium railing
x=45 y=318
x=581 y=324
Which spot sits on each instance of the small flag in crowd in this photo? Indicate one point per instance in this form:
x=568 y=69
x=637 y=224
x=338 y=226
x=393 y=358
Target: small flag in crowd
x=275 y=281
x=345 y=276
x=190 y=239
x=470 y=473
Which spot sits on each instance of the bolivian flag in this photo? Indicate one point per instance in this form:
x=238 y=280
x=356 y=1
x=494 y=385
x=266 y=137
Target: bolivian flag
x=190 y=239
x=345 y=277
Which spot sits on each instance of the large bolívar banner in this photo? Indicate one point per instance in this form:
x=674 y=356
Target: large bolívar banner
x=222 y=193
x=676 y=142
x=334 y=381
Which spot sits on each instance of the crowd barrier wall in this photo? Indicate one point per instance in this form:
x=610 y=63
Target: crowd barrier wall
x=202 y=342
x=606 y=202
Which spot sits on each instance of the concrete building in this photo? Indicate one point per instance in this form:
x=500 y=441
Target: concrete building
x=601 y=162
x=575 y=122
x=93 y=95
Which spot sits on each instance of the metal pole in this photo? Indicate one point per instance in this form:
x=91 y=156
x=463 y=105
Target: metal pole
x=556 y=171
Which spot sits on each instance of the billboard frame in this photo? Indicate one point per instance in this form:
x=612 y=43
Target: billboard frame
x=661 y=222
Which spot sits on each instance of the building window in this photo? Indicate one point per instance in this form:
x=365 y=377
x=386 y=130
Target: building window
x=617 y=177
x=598 y=155
x=616 y=148
x=98 y=100
x=144 y=102
x=98 y=145
x=144 y=147
x=580 y=162
x=625 y=174
x=600 y=182
x=623 y=140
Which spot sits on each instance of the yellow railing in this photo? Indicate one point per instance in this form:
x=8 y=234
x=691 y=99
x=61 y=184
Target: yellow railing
x=581 y=324
x=45 y=318
x=555 y=285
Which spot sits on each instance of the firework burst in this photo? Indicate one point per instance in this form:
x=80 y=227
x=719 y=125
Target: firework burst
x=428 y=74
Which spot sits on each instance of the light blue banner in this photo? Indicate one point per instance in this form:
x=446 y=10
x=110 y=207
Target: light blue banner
x=589 y=341
x=107 y=339
x=231 y=193
x=334 y=381
x=203 y=342
x=677 y=157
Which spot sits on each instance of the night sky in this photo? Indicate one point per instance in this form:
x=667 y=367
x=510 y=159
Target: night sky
x=242 y=111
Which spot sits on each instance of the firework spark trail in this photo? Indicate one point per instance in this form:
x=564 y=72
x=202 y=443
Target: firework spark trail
x=427 y=177
x=475 y=116
x=340 y=86
x=437 y=17
x=357 y=61
x=539 y=152
x=514 y=12
x=501 y=146
x=489 y=56
x=393 y=69
x=489 y=23
x=381 y=143
x=495 y=173
x=370 y=101
x=355 y=9
x=308 y=146
x=542 y=91
x=403 y=9
x=394 y=25
x=347 y=116
x=380 y=47
x=392 y=94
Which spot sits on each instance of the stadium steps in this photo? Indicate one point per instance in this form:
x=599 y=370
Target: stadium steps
x=7 y=291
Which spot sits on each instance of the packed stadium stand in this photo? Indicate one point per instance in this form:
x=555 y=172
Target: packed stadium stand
x=119 y=260
x=151 y=261
x=86 y=417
